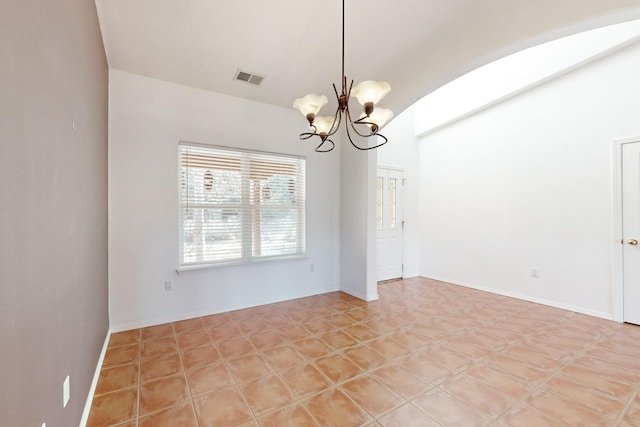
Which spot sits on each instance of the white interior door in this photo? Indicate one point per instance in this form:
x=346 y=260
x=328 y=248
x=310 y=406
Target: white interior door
x=389 y=223
x=631 y=231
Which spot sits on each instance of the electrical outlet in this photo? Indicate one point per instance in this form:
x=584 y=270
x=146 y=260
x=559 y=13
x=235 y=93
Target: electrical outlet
x=535 y=273
x=66 y=392
x=168 y=285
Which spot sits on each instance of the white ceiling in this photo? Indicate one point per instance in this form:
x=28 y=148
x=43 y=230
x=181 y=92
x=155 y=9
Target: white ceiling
x=416 y=45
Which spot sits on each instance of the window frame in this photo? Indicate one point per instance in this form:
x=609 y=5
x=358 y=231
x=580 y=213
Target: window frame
x=246 y=204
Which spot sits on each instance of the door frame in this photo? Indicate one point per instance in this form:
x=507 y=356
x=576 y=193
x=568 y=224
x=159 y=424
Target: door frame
x=402 y=171
x=617 y=244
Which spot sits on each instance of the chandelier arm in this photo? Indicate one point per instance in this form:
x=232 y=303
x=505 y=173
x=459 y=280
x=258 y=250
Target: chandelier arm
x=335 y=90
x=337 y=121
x=352 y=125
x=360 y=122
x=351 y=140
x=324 y=141
x=366 y=136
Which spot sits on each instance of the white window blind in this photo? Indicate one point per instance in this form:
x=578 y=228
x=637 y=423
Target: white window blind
x=239 y=206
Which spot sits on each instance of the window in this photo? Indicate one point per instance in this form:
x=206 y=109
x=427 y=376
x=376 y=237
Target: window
x=379 y=204
x=239 y=206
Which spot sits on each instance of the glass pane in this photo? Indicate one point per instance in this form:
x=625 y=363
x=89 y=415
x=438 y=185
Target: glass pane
x=275 y=231
x=277 y=190
x=211 y=234
x=379 y=210
x=213 y=186
x=392 y=201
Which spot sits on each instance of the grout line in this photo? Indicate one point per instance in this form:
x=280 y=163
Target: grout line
x=184 y=373
x=139 y=377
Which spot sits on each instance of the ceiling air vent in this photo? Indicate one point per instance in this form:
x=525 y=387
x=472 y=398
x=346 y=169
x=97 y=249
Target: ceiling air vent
x=254 y=79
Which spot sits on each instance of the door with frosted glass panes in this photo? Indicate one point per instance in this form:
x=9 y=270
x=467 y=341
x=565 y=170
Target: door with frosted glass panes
x=389 y=223
x=631 y=231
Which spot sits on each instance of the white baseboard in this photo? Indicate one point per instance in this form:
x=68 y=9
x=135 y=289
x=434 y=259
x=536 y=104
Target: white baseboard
x=192 y=315
x=363 y=297
x=94 y=382
x=550 y=303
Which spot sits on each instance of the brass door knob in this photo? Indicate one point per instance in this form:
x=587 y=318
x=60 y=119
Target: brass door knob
x=632 y=242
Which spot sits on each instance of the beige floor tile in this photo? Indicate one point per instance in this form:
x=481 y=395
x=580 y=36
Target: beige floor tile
x=596 y=380
x=407 y=415
x=224 y=332
x=198 y=357
x=216 y=320
x=312 y=348
x=193 y=338
x=523 y=416
x=388 y=347
x=484 y=399
x=235 y=347
x=223 y=408
x=424 y=369
x=266 y=339
x=282 y=357
x=567 y=411
x=517 y=368
x=182 y=415
x=338 y=340
x=249 y=367
x=448 y=410
x=113 y=408
x=504 y=383
x=332 y=408
x=267 y=394
x=599 y=402
x=361 y=332
x=319 y=326
x=365 y=357
x=188 y=325
x=121 y=355
x=401 y=381
x=371 y=395
x=293 y=333
x=116 y=378
x=209 y=378
x=338 y=368
x=163 y=393
x=124 y=338
x=158 y=331
x=253 y=326
x=160 y=366
x=305 y=380
x=159 y=346
x=291 y=416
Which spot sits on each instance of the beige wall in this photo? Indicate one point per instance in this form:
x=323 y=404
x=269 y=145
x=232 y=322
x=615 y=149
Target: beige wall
x=53 y=208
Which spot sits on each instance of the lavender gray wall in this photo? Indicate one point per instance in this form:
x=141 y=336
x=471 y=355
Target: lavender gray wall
x=53 y=208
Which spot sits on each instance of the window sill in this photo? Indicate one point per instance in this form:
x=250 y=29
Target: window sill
x=199 y=267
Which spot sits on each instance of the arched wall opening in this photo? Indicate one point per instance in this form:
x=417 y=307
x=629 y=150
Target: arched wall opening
x=523 y=187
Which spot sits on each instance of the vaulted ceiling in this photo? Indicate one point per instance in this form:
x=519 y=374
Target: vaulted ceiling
x=416 y=45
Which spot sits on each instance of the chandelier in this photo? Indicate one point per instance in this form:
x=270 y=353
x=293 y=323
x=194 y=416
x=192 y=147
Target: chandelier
x=368 y=93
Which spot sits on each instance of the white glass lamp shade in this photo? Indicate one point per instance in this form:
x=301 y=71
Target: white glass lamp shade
x=310 y=104
x=370 y=91
x=323 y=125
x=379 y=117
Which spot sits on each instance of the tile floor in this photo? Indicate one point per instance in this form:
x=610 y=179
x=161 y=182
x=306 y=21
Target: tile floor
x=427 y=354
